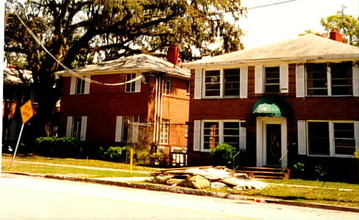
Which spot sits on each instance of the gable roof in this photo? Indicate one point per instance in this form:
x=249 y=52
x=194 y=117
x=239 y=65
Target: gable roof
x=132 y=64
x=305 y=48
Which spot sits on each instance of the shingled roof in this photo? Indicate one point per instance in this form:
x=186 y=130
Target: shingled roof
x=305 y=48
x=135 y=63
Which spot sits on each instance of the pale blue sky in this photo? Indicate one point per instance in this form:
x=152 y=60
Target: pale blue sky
x=285 y=21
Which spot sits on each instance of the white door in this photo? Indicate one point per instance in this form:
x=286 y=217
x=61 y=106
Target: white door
x=271 y=142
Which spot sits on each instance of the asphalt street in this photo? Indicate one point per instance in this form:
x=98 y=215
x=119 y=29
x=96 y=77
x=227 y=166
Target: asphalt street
x=37 y=198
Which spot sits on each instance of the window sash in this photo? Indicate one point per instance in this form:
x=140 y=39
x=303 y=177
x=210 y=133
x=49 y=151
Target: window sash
x=331 y=138
x=167 y=86
x=272 y=80
x=222 y=83
x=210 y=135
x=130 y=87
x=216 y=132
x=231 y=82
x=212 y=83
x=164 y=131
x=329 y=79
x=344 y=139
x=342 y=78
x=127 y=130
x=76 y=127
x=318 y=138
x=80 y=86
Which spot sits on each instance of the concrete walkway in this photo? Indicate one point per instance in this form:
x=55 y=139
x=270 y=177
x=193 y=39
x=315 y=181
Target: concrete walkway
x=76 y=166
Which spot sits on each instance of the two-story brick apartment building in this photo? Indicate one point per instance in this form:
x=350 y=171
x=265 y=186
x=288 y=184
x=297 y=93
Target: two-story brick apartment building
x=288 y=102
x=150 y=110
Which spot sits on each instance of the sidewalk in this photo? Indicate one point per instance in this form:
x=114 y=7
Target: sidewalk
x=74 y=166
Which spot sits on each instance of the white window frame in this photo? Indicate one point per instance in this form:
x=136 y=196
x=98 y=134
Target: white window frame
x=167 y=86
x=260 y=78
x=200 y=88
x=73 y=86
x=136 y=84
x=70 y=127
x=331 y=138
x=329 y=81
x=120 y=129
x=242 y=133
x=164 y=132
x=265 y=79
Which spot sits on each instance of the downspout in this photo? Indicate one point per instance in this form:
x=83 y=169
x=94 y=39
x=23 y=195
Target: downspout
x=159 y=121
x=155 y=112
x=161 y=98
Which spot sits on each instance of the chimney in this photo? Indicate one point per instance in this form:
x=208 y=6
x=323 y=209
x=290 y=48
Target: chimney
x=336 y=35
x=173 y=54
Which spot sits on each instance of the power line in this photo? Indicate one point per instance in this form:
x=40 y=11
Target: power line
x=68 y=69
x=272 y=4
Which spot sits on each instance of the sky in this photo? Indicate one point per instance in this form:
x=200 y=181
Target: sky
x=280 y=22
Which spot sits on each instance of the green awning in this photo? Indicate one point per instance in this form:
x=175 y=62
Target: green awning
x=271 y=106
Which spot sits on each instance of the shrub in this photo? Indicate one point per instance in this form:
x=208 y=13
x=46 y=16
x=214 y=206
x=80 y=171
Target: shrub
x=320 y=172
x=58 y=147
x=298 y=170
x=114 y=153
x=143 y=157
x=225 y=155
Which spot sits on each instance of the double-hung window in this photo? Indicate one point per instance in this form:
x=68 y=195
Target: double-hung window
x=271 y=79
x=133 y=86
x=216 y=132
x=167 y=87
x=79 y=86
x=331 y=138
x=272 y=83
x=76 y=127
x=164 y=131
x=222 y=83
x=126 y=129
x=329 y=79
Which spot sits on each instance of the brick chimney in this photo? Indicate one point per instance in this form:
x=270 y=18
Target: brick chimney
x=336 y=35
x=173 y=54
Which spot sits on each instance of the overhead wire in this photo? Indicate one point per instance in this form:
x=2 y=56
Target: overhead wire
x=68 y=69
x=271 y=4
x=94 y=81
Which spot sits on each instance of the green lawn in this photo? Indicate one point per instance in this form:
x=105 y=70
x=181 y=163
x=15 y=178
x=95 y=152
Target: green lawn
x=20 y=165
x=302 y=194
x=334 y=193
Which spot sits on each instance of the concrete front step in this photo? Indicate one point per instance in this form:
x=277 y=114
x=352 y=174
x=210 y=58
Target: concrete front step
x=265 y=172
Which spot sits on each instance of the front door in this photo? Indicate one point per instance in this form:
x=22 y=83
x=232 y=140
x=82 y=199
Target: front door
x=273 y=144
x=271 y=135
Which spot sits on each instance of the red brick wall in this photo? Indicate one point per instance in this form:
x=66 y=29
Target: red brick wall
x=104 y=103
x=176 y=108
x=308 y=108
x=102 y=106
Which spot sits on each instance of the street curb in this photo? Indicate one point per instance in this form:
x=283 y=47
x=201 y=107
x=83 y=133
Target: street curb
x=189 y=191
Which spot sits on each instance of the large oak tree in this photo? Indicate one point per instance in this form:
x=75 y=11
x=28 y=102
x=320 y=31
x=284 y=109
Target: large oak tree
x=76 y=31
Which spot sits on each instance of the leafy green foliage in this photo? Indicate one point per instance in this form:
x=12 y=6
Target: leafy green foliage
x=321 y=171
x=114 y=153
x=298 y=170
x=224 y=155
x=348 y=25
x=75 y=31
x=144 y=157
x=58 y=147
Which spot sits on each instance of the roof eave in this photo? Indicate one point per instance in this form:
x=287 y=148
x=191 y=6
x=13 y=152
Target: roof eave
x=303 y=59
x=122 y=71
